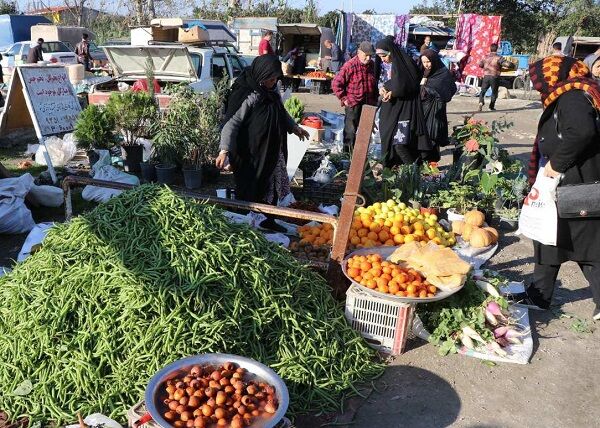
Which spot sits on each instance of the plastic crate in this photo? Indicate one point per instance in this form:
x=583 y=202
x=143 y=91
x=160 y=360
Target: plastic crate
x=385 y=323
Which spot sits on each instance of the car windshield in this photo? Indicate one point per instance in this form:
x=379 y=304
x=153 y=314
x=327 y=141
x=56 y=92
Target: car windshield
x=51 y=47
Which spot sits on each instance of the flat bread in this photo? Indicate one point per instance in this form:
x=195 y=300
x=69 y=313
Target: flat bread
x=447 y=283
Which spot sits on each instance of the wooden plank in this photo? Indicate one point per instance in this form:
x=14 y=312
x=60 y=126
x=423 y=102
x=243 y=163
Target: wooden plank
x=336 y=278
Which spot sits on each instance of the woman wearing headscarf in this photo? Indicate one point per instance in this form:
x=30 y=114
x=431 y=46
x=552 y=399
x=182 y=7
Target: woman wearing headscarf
x=437 y=88
x=254 y=135
x=593 y=63
x=568 y=143
x=402 y=127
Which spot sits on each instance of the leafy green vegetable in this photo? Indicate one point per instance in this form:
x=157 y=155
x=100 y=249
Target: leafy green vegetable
x=295 y=108
x=446 y=318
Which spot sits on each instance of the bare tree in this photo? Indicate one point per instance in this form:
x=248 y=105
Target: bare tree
x=77 y=9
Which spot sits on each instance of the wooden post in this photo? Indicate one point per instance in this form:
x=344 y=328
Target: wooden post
x=336 y=278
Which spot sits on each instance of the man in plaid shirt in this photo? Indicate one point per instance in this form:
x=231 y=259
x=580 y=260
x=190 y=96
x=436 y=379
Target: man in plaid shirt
x=355 y=86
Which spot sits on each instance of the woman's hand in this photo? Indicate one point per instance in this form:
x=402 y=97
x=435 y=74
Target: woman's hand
x=222 y=160
x=386 y=96
x=301 y=133
x=549 y=171
x=423 y=81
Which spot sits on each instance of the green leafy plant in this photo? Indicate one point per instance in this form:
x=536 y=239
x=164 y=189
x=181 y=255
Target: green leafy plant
x=189 y=132
x=133 y=114
x=94 y=129
x=295 y=108
x=461 y=197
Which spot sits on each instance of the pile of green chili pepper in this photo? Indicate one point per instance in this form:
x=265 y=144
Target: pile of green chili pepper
x=151 y=277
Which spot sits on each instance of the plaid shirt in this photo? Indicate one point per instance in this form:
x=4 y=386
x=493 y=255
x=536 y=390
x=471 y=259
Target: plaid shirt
x=355 y=83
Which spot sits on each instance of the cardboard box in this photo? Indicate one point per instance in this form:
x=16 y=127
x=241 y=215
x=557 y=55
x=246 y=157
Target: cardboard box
x=160 y=34
x=193 y=35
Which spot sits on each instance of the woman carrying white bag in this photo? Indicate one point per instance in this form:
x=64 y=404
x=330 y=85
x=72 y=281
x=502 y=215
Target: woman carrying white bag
x=567 y=145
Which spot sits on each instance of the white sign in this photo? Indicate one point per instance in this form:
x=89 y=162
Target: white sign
x=51 y=99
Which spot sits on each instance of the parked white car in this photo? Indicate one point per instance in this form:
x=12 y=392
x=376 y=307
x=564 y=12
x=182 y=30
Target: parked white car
x=53 y=52
x=200 y=67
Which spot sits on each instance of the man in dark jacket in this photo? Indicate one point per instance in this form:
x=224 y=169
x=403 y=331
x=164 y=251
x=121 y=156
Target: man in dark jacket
x=36 y=53
x=82 y=50
x=492 y=67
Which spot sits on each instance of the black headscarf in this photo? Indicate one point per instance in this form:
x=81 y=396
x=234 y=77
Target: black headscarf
x=439 y=78
x=262 y=135
x=405 y=105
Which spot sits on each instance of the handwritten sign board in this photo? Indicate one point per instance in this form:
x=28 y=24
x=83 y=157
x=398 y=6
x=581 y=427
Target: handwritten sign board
x=50 y=100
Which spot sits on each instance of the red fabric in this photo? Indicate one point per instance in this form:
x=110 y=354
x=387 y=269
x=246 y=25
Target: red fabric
x=141 y=85
x=265 y=48
x=355 y=83
x=474 y=35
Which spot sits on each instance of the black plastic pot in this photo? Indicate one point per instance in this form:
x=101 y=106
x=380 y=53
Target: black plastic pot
x=132 y=157
x=93 y=157
x=165 y=174
x=509 y=224
x=148 y=172
x=192 y=178
x=210 y=173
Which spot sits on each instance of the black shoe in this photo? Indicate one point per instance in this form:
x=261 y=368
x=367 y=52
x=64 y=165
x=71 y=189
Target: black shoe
x=524 y=300
x=492 y=108
x=271 y=225
x=596 y=316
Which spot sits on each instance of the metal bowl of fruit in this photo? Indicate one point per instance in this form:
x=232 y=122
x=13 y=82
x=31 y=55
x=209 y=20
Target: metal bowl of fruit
x=209 y=389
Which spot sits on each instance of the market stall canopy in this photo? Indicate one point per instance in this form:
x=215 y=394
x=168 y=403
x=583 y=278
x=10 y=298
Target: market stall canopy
x=172 y=62
x=299 y=29
x=250 y=23
x=217 y=30
x=420 y=30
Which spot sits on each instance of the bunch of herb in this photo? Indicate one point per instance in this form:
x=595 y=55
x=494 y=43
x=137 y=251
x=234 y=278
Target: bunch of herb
x=446 y=318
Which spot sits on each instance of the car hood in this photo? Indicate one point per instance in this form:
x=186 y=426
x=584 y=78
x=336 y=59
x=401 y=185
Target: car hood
x=169 y=63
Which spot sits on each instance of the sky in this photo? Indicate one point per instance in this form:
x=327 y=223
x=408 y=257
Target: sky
x=358 y=6
x=380 y=6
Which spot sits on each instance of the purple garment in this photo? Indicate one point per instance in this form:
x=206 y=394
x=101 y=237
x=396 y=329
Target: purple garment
x=402 y=27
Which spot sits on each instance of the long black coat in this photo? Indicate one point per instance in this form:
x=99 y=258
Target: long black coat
x=577 y=156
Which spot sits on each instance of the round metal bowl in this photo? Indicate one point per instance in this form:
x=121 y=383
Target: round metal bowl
x=179 y=367
x=386 y=252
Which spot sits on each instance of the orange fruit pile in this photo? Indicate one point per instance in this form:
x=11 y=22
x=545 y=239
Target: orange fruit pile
x=392 y=224
x=373 y=272
x=316 y=235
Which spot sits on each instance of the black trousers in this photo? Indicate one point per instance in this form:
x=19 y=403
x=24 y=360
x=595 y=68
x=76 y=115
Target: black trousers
x=494 y=83
x=544 y=280
x=351 y=125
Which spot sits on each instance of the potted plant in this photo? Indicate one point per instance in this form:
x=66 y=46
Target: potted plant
x=509 y=218
x=457 y=199
x=133 y=113
x=209 y=121
x=94 y=131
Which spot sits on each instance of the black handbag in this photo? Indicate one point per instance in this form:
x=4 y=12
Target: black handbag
x=578 y=200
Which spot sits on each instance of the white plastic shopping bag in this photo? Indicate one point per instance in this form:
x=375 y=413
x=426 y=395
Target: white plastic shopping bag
x=15 y=217
x=35 y=237
x=60 y=150
x=539 y=219
x=107 y=173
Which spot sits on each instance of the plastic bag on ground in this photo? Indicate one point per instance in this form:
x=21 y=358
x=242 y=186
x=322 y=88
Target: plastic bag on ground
x=147 y=147
x=35 y=237
x=15 y=217
x=107 y=173
x=287 y=200
x=47 y=196
x=104 y=160
x=538 y=219
x=325 y=173
x=61 y=151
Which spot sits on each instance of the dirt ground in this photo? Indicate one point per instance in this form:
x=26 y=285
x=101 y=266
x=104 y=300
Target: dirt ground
x=559 y=388
x=421 y=389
